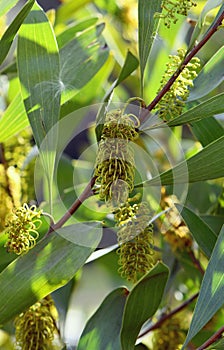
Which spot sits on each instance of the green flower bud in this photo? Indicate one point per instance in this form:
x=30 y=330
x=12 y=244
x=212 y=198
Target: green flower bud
x=172 y=103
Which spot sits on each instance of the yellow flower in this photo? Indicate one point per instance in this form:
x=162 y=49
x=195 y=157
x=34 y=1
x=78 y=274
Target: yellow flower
x=21 y=228
x=169 y=336
x=175 y=232
x=135 y=240
x=35 y=327
x=171 y=105
x=115 y=165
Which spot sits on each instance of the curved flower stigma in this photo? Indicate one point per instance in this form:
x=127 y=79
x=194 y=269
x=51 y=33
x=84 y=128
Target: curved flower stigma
x=172 y=104
x=21 y=228
x=35 y=327
x=135 y=240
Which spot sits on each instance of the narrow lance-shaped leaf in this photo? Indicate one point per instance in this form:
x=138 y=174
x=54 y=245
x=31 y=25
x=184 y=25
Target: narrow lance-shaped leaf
x=6 y=6
x=142 y=303
x=201 y=232
x=206 y=131
x=204 y=110
x=8 y=36
x=209 y=77
x=147 y=27
x=102 y=331
x=210 y=298
x=45 y=268
x=201 y=166
x=14 y=119
x=130 y=64
x=81 y=58
x=210 y=4
x=39 y=70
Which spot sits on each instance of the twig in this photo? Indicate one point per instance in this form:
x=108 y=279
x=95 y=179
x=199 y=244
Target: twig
x=196 y=262
x=187 y=59
x=169 y=315
x=84 y=195
x=213 y=338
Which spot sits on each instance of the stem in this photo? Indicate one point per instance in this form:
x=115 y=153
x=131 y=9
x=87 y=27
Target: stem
x=213 y=338
x=187 y=59
x=83 y=196
x=169 y=315
x=196 y=262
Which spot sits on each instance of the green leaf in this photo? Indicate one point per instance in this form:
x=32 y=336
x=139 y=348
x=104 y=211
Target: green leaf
x=142 y=303
x=201 y=232
x=14 y=119
x=207 y=131
x=210 y=298
x=201 y=166
x=39 y=70
x=47 y=267
x=70 y=32
x=147 y=27
x=103 y=329
x=38 y=66
x=219 y=345
x=8 y=36
x=204 y=110
x=90 y=52
x=130 y=65
x=210 y=5
x=209 y=77
x=6 y=6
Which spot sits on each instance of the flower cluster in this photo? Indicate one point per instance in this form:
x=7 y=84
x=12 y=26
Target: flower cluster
x=135 y=240
x=175 y=232
x=115 y=165
x=171 y=105
x=169 y=336
x=172 y=8
x=35 y=327
x=21 y=228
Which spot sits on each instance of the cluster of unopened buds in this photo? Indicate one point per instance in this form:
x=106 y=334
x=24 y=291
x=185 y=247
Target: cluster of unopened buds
x=173 y=8
x=172 y=104
x=21 y=228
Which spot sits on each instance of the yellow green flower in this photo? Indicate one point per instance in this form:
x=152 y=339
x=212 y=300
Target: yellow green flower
x=172 y=103
x=21 y=228
x=36 y=327
x=172 y=8
x=115 y=165
x=169 y=336
x=135 y=240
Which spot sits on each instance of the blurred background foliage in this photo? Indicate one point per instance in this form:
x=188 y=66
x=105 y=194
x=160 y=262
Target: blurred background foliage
x=117 y=20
